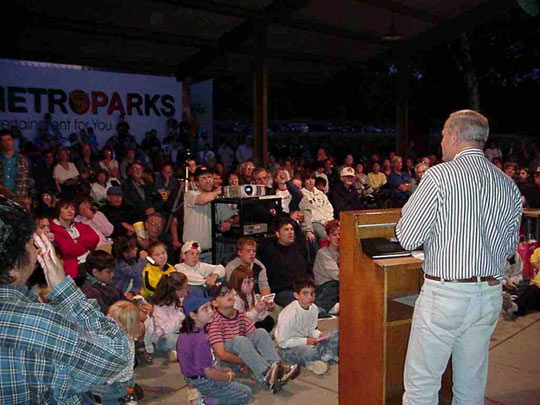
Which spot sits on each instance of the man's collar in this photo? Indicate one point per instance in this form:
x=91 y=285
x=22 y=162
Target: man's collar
x=470 y=150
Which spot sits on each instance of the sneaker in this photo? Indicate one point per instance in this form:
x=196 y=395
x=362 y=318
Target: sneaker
x=334 y=310
x=317 y=367
x=290 y=373
x=273 y=377
x=193 y=395
x=173 y=356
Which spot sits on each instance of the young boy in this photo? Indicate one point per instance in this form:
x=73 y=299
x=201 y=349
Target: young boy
x=297 y=335
x=246 y=249
x=200 y=275
x=98 y=284
x=128 y=270
x=236 y=341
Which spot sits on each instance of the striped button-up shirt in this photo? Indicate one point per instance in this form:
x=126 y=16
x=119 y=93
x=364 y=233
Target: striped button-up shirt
x=466 y=213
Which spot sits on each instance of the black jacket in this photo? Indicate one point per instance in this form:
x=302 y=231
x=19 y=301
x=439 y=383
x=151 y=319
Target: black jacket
x=344 y=199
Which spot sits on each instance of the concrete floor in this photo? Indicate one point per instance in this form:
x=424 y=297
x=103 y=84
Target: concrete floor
x=514 y=373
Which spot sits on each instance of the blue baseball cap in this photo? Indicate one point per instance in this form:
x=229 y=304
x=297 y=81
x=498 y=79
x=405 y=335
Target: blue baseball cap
x=194 y=301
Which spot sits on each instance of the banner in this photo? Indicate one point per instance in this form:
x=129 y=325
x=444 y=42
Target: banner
x=80 y=99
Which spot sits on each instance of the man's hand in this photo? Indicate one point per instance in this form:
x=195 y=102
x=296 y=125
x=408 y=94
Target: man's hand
x=211 y=280
x=143 y=242
x=259 y=306
x=143 y=254
x=225 y=226
x=129 y=296
x=312 y=341
x=130 y=230
x=310 y=236
x=49 y=261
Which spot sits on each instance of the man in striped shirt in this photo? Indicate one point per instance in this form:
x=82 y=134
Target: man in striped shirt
x=466 y=213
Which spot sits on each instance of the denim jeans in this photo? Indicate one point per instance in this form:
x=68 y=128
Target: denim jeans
x=221 y=392
x=451 y=319
x=327 y=295
x=319 y=231
x=302 y=354
x=206 y=257
x=110 y=394
x=256 y=350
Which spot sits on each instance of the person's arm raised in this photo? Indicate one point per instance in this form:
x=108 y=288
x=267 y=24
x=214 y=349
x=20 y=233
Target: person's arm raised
x=205 y=198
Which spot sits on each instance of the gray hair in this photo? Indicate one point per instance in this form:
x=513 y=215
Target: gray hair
x=471 y=125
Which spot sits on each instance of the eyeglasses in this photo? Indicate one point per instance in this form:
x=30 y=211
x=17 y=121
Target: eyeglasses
x=224 y=292
x=155 y=223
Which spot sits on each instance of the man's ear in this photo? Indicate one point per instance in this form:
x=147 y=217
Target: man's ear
x=296 y=295
x=92 y=272
x=277 y=234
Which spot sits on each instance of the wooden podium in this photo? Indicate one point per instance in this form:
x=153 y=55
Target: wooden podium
x=374 y=328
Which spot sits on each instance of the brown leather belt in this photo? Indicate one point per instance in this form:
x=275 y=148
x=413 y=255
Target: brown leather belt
x=489 y=279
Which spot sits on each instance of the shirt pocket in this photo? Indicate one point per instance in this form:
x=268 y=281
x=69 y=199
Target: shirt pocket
x=448 y=312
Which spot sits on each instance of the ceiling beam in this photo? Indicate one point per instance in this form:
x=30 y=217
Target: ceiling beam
x=401 y=9
x=299 y=23
x=233 y=38
x=314 y=26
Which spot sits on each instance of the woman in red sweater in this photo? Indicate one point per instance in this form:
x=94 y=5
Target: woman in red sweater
x=74 y=240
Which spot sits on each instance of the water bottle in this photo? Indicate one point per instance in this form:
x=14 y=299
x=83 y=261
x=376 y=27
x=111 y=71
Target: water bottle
x=130 y=398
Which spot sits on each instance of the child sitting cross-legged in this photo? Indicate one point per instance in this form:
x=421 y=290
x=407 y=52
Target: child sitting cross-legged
x=168 y=314
x=236 y=341
x=152 y=272
x=197 y=361
x=245 y=299
x=126 y=314
x=297 y=335
x=200 y=275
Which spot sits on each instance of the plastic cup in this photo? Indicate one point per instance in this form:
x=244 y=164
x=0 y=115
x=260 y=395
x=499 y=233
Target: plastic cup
x=139 y=229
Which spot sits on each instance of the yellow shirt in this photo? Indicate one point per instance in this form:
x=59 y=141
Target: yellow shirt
x=535 y=261
x=151 y=276
x=377 y=180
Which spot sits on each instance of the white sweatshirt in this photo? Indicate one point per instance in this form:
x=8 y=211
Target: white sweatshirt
x=295 y=324
x=321 y=209
x=200 y=271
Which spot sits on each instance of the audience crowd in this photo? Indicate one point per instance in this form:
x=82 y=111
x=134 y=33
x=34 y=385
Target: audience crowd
x=132 y=223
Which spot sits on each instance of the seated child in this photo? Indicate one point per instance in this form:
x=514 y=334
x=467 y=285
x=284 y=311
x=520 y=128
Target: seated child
x=246 y=250
x=297 y=335
x=200 y=275
x=98 y=283
x=168 y=315
x=126 y=315
x=152 y=272
x=128 y=270
x=197 y=361
x=326 y=271
x=529 y=300
x=236 y=341
x=245 y=299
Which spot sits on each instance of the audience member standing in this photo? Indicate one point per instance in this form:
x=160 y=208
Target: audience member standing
x=197 y=213
x=14 y=168
x=244 y=152
x=140 y=197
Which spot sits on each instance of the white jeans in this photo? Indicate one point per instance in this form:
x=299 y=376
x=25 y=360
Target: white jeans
x=451 y=319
